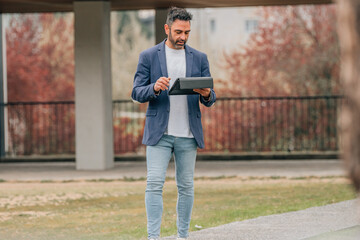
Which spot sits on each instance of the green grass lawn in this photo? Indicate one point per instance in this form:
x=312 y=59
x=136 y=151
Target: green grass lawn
x=116 y=209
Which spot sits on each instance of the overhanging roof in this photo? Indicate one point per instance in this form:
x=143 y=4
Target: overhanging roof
x=23 y=6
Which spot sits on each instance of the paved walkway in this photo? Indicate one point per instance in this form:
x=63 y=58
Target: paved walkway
x=263 y=168
x=332 y=222
x=338 y=221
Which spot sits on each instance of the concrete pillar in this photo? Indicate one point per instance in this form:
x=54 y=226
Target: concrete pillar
x=160 y=19
x=93 y=96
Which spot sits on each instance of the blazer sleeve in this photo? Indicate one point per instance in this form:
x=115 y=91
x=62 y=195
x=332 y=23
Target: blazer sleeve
x=143 y=89
x=205 y=72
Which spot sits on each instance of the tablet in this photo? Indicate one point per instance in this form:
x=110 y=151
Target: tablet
x=185 y=86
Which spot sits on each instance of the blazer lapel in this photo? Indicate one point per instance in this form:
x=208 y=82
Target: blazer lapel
x=162 y=59
x=189 y=61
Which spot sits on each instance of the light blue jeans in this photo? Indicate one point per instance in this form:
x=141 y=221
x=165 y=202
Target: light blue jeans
x=157 y=159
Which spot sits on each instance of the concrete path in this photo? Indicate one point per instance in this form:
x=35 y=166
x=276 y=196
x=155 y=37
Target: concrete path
x=313 y=223
x=263 y=168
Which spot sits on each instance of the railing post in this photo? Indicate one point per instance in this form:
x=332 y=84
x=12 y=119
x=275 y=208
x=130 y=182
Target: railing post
x=2 y=97
x=2 y=127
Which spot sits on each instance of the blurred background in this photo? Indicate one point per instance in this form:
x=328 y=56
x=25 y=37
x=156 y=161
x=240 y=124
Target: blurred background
x=276 y=73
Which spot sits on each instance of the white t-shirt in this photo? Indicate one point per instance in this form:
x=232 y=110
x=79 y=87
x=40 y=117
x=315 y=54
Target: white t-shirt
x=178 y=125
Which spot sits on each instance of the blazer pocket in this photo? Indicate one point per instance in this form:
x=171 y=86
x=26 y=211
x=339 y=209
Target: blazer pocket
x=150 y=113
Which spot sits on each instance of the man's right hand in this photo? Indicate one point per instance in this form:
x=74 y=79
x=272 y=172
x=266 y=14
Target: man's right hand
x=161 y=84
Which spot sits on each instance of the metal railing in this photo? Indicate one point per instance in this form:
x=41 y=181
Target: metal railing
x=272 y=124
x=231 y=125
x=41 y=128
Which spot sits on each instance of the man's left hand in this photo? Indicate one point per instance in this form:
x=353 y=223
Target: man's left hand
x=205 y=92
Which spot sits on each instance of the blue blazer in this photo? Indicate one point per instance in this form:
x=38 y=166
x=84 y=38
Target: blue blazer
x=152 y=66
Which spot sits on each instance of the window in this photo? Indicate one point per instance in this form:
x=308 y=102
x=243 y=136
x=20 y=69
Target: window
x=251 y=26
x=212 y=25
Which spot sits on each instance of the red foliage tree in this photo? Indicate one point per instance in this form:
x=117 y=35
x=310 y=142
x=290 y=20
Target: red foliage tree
x=295 y=51
x=40 y=67
x=40 y=57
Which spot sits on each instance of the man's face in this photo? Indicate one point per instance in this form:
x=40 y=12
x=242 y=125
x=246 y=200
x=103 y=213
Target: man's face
x=178 y=34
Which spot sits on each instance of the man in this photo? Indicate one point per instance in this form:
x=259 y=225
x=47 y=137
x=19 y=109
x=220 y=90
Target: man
x=173 y=123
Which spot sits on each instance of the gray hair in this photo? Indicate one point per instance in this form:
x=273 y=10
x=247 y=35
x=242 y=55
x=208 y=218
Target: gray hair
x=177 y=13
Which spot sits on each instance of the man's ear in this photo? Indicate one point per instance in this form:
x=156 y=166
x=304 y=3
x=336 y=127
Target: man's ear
x=167 y=29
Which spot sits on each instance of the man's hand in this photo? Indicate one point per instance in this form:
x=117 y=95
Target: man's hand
x=205 y=92
x=161 y=84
